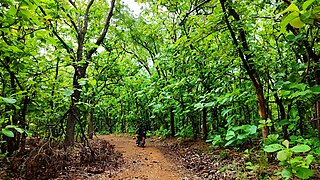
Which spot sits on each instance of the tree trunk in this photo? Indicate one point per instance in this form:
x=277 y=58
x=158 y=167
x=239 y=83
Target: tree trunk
x=172 y=122
x=80 y=72
x=90 y=125
x=204 y=123
x=262 y=110
x=241 y=44
x=318 y=117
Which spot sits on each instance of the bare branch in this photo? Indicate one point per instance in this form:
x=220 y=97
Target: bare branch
x=104 y=31
x=86 y=18
x=195 y=8
x=73 y=4
x=72 y=21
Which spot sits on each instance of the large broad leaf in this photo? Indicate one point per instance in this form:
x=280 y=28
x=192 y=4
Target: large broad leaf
x=11 y=126
x=242 y=136
x=284 y=155
x=68 y=92
x=291 y=8
x=304 y=173
x=296 y=23
x=7 y=132
x=305 y=17
x=273 y=148
x=315 y=89
x=19 y=130
x=14 y=127
x=300 y=86
x=252 y=129
x=301 y=148
x=307 y=4
x=309 y=159
x=287 y=20
x=9 y=100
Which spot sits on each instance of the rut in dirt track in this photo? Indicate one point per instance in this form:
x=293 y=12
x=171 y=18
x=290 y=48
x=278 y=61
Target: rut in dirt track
x=140 y=163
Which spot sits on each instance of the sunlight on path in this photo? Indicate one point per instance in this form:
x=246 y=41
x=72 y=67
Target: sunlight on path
x=141 y=163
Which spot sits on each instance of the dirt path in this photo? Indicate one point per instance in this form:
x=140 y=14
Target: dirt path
x=141 y=163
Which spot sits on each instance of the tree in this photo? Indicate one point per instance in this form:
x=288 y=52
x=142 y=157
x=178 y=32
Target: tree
x=78 y=18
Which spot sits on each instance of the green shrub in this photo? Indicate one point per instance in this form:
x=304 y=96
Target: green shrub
x=295 y=165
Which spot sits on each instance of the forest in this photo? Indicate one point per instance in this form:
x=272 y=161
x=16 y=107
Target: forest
x=238 y=75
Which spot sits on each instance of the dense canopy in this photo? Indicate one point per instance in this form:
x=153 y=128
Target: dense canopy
x=230 y=72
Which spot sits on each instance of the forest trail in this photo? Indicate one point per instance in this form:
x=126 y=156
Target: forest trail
x=141 y=163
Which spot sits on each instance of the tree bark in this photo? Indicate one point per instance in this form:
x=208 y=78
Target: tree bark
x=241 y=44
x=80 y=70
x=172 y=122
x=90 y=125
x=204 y=123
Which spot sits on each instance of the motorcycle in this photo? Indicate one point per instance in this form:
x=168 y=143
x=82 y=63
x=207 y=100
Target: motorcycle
x=141 y=141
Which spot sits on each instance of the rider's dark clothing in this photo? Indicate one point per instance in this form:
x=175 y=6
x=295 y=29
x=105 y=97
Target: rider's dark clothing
x=141 y=133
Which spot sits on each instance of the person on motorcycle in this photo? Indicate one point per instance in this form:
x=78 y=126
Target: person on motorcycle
x=141 y=132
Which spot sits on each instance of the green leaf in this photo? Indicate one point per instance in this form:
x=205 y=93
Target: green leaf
x=291 y=8
x=296 y=23
x=300 y=86
x=286 y=143
x=12 y=11
x=285 y=173
x=273 y=148
x=225 y=112
x=285 y=21
x=7 y=132
x=309 y=159
x=315 y=89
x=301 y=148
x=304 y=17
x=293 y=113
x=296 y=159
x=283 y=155
x=252 y=129
x=9 y=100
x=11 y=126
x=68 y=92
x=19 y=130
x=82 y=82
x=210 y=104
x=229 y=142
x=242 y=136
x=304 y=173
x=230 y=133
x=198 y=106
x=92 y=82
x=307 y=4
x=291 y=37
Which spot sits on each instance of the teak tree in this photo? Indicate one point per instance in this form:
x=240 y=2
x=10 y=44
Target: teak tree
x=241 y=44
x=80 y=53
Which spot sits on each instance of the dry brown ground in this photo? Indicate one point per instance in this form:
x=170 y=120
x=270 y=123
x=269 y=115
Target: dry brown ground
x=141 y=163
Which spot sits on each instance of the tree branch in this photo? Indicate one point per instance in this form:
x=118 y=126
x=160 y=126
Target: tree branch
x=86 y=18
x=104 y=31
x=66 y=47
x=188 y=13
